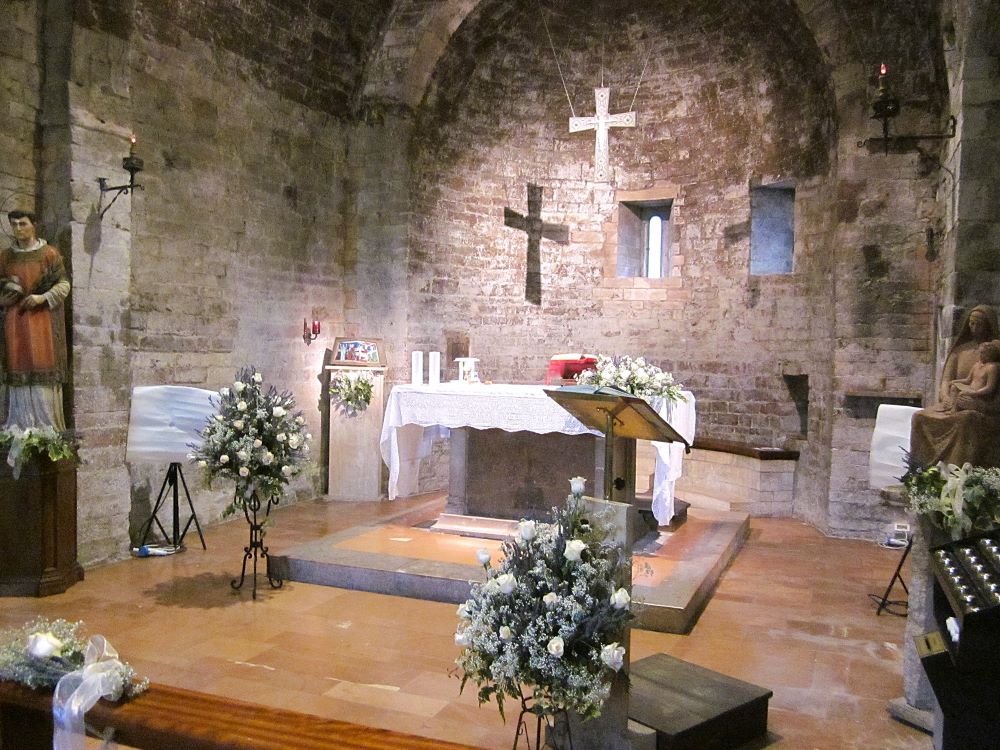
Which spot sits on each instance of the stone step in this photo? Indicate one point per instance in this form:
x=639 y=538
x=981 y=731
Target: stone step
x=693 y=708
x=705 y=499
x=644 y=504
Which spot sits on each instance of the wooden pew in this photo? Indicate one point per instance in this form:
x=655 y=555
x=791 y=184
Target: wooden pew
x=170 y=718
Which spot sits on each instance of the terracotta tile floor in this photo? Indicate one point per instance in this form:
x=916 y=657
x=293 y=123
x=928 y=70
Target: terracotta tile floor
x=792 y=614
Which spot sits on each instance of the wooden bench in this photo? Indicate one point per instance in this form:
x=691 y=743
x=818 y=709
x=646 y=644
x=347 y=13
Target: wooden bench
x=170 y=718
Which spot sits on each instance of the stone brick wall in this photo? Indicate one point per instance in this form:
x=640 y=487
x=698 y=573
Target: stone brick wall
x=728 y=100
x=350 y=162
x=20 y=86
x=490 y=132
x=236 y=238
x=313 y=52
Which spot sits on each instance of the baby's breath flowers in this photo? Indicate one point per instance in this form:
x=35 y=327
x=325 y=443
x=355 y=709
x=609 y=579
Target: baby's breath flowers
x=549 y=617
x=256 y=438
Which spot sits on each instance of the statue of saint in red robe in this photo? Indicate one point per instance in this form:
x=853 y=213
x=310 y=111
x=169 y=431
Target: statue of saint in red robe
x=33 y=287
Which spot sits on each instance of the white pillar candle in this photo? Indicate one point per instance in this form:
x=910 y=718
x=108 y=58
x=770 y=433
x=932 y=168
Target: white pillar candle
x=417 y=368
x=433 y=368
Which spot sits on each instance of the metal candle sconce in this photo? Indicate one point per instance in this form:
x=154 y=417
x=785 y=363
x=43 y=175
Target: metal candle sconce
x=310 y=334
x=886 y=106
x=131 y=164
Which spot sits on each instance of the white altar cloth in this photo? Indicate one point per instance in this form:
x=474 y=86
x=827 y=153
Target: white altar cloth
x=411 y=409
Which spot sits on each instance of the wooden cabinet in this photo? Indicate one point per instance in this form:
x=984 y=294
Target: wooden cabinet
x=38 y=528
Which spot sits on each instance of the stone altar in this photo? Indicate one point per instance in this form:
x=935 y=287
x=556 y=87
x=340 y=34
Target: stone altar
x=513 y=448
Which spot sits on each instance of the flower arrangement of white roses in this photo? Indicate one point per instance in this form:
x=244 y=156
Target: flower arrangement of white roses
x=41 y=652
x=256 y=438
x=957 y=499
x=353 y=390
x=635 y=376
x=545 y=625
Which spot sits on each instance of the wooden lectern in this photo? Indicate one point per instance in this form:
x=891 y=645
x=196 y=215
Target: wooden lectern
x=623 y=418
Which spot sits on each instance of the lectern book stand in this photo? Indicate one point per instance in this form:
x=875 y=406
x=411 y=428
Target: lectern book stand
x=623 y=418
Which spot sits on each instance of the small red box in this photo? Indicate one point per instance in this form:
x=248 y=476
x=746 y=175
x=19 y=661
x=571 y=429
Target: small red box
x=564 y=367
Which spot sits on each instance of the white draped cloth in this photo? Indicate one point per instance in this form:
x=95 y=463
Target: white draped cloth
x=670 y=456
x=416 y=414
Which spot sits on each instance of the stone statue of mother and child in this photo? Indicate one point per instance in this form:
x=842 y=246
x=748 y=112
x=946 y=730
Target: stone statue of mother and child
x=964 y=425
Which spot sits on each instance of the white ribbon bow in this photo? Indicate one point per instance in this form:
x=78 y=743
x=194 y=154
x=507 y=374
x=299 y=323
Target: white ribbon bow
x=77 y=692
x=15 y=451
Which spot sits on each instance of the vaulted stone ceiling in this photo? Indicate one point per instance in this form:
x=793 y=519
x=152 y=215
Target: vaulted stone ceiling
x=352 y=57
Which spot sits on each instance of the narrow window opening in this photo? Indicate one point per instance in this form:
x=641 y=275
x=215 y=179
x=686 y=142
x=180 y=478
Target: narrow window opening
x=772 y=230
x=644 y=246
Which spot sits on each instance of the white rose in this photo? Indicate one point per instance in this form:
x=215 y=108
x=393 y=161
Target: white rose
x=294 y=441
x=576 y=485
x=287 y=470
x=218 y=417
x=278 y=411
x=620 y=599
x=244 y=471
x=300 y=420
x=483 y=555
x=223 y=459
x=238 y=424
x=280 y=437
x=556 y=647
x=613 y=655
x=238 y=386
x=506 y=634
x=241 y=405
x=44 y=645
x=258 y=378
x=224 y=392
x=507 y=583
x=527 y=530
x=574 y=548
x=462 y=639
x=267 y=459
x=463 y=610
x=203 y=463
x=309 y=436
x=257 y=443
x=550 y=598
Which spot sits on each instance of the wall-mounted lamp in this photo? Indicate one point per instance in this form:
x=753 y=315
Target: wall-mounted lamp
x=310 y=333
x=886 y=106
x=131 y=164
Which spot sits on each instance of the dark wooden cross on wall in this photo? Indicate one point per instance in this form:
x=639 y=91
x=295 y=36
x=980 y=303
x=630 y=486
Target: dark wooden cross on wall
x=536 y=230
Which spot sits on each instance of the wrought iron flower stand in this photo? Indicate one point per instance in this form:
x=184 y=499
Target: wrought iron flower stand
x=557 y=726
x=256 y=549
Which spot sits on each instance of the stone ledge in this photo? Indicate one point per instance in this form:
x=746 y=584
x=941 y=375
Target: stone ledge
x=758 y=481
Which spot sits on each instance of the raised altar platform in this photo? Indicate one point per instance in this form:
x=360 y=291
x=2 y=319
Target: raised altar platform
x=674 y=572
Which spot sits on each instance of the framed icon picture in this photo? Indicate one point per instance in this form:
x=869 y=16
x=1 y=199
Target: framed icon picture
x=358 y=352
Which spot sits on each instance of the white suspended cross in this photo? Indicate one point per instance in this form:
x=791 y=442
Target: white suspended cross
x=600 y=123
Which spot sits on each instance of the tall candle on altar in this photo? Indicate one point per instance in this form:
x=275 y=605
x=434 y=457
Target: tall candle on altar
x=417 y=368
x=433 y=368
